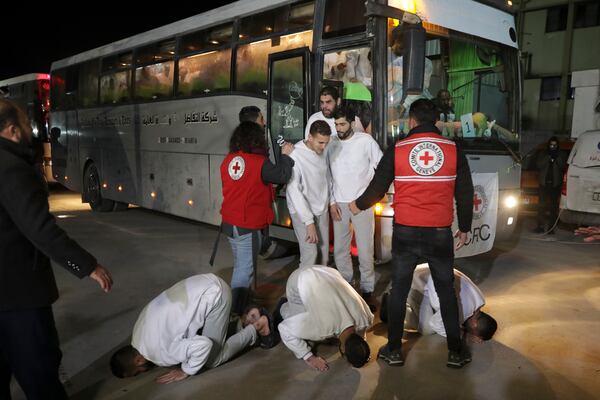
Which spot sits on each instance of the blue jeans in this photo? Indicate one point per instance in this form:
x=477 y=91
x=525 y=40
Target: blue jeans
x=245 y=252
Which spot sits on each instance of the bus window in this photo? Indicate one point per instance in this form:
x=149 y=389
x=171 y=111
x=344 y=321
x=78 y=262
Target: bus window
x=88 y=84
x=351 y=71
x=344 y=17
x=57 y=91
x=154 y=81
x=205 y=40
x=252 y=60
x=115 y=86
x=263 y=24
x=204 y=73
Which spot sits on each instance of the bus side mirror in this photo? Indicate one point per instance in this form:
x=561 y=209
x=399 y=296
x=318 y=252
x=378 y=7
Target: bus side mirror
x=54 y=134
x=413 y=68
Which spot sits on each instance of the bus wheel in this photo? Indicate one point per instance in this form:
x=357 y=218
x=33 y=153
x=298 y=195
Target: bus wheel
x=93 y=192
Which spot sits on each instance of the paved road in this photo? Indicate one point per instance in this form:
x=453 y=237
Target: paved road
x=544 y=292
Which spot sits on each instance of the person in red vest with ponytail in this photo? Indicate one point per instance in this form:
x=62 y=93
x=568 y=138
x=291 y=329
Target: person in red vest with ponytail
x=246 y=177
x=428 y=172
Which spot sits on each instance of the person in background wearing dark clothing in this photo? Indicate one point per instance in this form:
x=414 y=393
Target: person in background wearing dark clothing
x=29 y=347
x=551 y=166
x=428 y=171
x=445 y=106
x=253 y=114
x=246 y=176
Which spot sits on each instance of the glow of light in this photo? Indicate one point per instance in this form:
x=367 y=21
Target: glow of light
x=378 y=209
x=104 y=185
x=260 y=41
x=153 y=195
x=191 y=202
x=201 y=55
x=63 y=216
x=66 y=178
x=509 y=2
x=120 y=188
x=510 y=201
x=288 y=222
x=214 y=42
x=406 y=5
x=510 y=221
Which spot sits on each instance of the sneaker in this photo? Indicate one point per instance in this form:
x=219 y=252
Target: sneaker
x=459 y=359
x=392 y=357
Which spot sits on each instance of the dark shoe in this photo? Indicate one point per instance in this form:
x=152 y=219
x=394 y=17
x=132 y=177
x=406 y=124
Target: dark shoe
x=240 y=299
x=392 y=357
x=459 y=360
x=370 y=300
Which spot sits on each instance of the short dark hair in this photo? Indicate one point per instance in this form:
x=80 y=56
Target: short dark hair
x=9 y=114
x=423 y=111
x=361 y=109
x=122 y=363
x=320 y=127
x=357 y=350
x=344 y=112
x=248 y=137
x=486 y=326
x=249 y=113
x=330 y=91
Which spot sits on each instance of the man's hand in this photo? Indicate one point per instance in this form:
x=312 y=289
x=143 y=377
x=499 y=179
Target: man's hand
x=462 y=239
x=336 y=212
x=353 y=208
x=287 y=148
x=317 y=363
x=103 y=277
x=172 y=376
x=592 y=231
x=262 y=326
x=311 y=234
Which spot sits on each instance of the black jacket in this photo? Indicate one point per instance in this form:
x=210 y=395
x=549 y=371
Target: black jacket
x=385 y=174
x=29 y=235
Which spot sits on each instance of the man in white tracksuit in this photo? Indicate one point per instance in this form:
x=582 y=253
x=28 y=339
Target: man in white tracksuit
x=185 y=325
x=321 y=305
x=307 y=195
x=352 y=158
x=423 y=307
x=329 y=101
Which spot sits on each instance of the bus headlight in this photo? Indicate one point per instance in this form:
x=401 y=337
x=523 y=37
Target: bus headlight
x=378 y=208
x=511 y=201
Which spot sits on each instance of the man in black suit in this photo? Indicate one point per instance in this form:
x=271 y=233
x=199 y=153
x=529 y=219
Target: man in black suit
x=29 y=347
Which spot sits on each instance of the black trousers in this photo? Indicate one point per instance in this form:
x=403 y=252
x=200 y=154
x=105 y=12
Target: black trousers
x=548 y=206
x=410 y=246
x=29 y=350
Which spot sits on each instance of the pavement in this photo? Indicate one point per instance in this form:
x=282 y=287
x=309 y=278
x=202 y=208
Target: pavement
x=544 y=291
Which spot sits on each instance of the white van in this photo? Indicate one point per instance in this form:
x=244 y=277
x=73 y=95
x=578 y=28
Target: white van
x=580 y=200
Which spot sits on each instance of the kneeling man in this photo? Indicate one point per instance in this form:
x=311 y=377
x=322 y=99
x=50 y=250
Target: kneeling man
x=186 y=325
x=322 y=305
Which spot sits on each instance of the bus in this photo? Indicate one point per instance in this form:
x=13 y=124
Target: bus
x=146 y=120
x=32 y=92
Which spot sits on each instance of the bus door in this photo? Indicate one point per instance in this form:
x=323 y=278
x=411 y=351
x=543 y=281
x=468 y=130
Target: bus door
x=287 y=109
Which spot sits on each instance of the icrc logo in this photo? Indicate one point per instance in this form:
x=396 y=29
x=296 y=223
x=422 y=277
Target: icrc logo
x=480 y=202
x=426 y=158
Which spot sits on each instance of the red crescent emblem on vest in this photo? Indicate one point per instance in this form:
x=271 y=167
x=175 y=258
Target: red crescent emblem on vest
x=236 y=168
x=426 y=158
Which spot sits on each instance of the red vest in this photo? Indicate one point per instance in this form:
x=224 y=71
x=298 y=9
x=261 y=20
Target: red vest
x=425 y=174
x=246 y=199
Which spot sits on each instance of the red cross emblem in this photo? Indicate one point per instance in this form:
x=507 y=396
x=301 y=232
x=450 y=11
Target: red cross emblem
x=426 y=158
x=476 y=202
x=236 y=168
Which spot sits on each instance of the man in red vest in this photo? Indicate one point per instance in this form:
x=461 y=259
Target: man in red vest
x=246 y=176
x=428 y=172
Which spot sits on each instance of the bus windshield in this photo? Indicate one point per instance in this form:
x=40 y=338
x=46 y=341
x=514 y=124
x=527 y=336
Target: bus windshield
x=473 y=83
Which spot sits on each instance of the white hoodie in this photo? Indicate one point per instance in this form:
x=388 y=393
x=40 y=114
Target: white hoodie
x=307 y=191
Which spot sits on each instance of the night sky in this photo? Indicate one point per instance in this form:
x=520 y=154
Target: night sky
x=55 y=34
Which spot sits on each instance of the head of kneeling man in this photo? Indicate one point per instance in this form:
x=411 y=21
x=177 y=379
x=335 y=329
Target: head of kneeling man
x=354 y=348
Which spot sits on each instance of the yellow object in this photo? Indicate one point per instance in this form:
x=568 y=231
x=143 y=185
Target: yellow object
x=378 y=209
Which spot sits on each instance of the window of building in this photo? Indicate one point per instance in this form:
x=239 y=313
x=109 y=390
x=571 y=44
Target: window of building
x=204 y=73
x=252 y=60
x=205 y=40
x=556 y=18
x=550 y=89
x=344 y=17
x=587 y=14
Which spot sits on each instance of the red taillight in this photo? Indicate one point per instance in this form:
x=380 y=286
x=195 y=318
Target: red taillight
x=563 y=190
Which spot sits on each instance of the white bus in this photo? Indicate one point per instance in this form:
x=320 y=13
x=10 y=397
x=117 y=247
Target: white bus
x=32 y=92
x=147 y=120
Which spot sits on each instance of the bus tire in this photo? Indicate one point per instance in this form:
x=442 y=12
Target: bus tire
x=93 y=191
